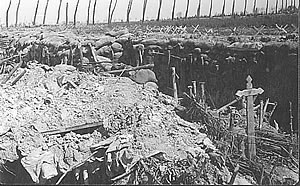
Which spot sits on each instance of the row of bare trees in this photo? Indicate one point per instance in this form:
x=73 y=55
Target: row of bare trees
x=113 y=4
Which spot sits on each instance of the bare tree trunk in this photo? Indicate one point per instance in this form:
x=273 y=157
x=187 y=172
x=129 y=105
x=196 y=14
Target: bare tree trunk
x=198 y=9
x=187 y=8
x=245 y=6
x=282 y=2
x=173 y=9
x=45 y=12
x=113 y=10
x=129 y=10
x=67 y=13
x=109 y=10
x=35 y=13
x=94 y=11
x=17 y=13
x=232 y=10
x=211 y=6
x=75 y=13
x=267 y=7
x=144 y=10
x=276 y=7
x=294 y=5
x=286 y=4
x=58 y=11
x=88 y=14
x=159 y=9
x=254 y=7
x=7 y=11
x=223 y=9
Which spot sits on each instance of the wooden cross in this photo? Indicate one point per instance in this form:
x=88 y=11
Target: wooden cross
x=249 y=93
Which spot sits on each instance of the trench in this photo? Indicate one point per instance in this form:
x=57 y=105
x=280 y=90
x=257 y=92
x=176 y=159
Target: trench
x=273 y=68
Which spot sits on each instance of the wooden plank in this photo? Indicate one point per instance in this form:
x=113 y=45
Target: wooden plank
x=131 y=69
x=175 y=93
x=251 y=150
x=72 y=128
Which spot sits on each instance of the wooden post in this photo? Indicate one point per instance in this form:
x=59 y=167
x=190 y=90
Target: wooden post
x=45 y=12
x=202 y=100
x=250 y=122
x=67 y=10
x=75 y=12
x=174 y=85
x=13 y=70
x=173 y=9
x=17 y=13
x=71 y=55
x=261 y=113
x=159 y=9
x=7 y=11
x=187 y=8
x=58 y=11
x=194 y=88
x=191 y=91
x=199 y=8
x=231 y=119
x=94 y=11
x=88 y=13
x=291 y=118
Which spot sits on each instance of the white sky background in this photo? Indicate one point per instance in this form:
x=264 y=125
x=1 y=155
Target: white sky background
x=27 y=9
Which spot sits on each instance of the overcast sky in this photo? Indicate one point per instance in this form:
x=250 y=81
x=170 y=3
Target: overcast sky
x=27 y=9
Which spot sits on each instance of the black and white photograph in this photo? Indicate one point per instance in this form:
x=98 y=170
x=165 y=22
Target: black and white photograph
x=149 y=92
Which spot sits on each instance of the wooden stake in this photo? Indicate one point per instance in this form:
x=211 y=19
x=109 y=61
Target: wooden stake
x=174 y=85
x=93 y=52
x=13 y=70
x=191 y=91
x=291 y=118
x=231 y=119
x=235 y=172
x=202 y=100
x=261 y=113
x=18 y=78
x=71 y=56
x=194 y=88
x=67 y=14
x=250 y=122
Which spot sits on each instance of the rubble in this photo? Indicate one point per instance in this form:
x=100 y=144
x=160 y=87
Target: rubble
x=87 y=110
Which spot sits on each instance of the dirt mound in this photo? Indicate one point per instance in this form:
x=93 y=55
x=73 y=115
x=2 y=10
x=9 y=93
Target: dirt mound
x=111 y=110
